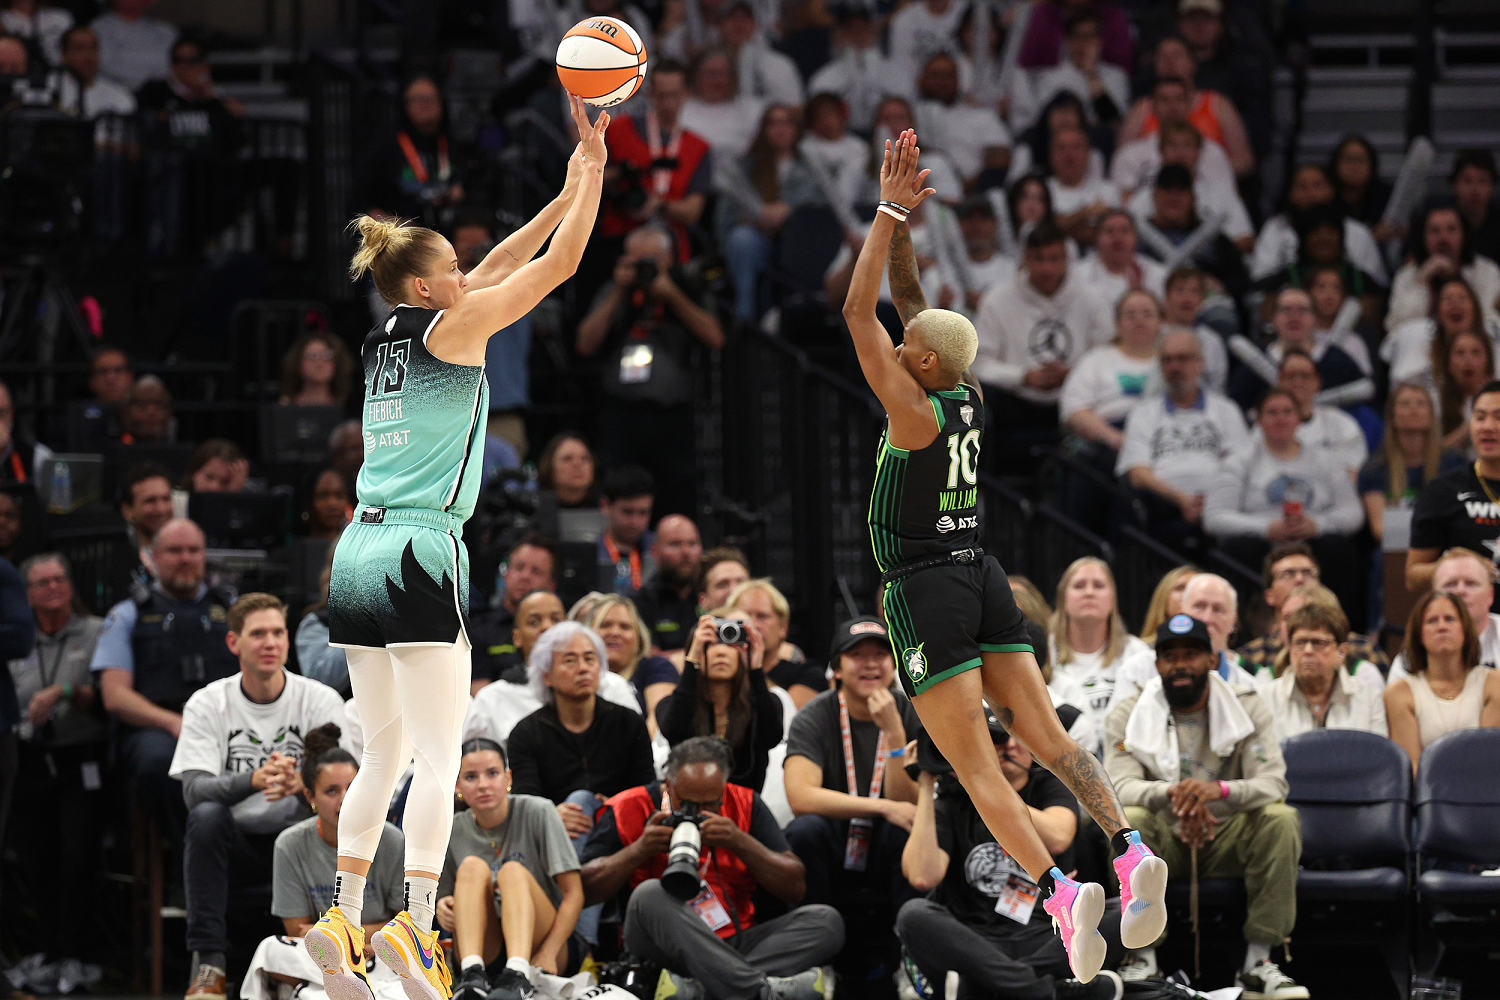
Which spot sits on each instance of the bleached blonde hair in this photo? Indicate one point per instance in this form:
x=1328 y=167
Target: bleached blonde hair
x=950 y=336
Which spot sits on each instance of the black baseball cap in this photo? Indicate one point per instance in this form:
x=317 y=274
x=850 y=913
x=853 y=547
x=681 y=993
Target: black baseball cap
x=1183 y=630
x=855 y=631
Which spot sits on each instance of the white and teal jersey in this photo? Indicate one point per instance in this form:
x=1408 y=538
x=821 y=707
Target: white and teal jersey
x=424 y=420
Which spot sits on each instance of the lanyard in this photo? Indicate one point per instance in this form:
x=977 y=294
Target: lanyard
x=41 y=663
x=877 y=772
x=414 y=159
x=661 y=177
x=635 y=560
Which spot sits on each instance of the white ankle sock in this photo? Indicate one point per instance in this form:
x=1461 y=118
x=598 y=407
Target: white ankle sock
x=520 y=965
x=421 y=896
x=349 y=895
x=1255 y=954
x=471 y=961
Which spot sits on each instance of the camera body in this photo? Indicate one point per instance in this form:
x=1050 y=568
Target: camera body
x=730 y=632
x=683 y=853
x=645 y=273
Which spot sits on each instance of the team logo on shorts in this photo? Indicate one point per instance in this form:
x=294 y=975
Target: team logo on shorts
x=916 y=662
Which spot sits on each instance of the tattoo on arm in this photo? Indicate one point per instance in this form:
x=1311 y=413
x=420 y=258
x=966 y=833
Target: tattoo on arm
x=1083 y=774
x=906 y=282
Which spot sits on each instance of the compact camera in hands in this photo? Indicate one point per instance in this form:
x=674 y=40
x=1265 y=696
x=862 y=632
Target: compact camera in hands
x=730 y=632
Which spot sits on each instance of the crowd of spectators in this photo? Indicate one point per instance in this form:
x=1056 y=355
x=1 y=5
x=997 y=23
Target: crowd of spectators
x=1288 y=381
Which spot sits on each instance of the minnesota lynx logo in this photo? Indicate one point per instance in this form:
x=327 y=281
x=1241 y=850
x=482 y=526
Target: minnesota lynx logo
x=916 y=662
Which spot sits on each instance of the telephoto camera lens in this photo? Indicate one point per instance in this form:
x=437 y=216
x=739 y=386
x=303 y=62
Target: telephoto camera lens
x=730 y=631
x=681 y=875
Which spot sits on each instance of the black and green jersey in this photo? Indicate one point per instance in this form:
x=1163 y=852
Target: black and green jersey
x=926 y=502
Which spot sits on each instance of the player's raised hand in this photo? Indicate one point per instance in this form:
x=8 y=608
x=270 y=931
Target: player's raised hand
x=900 y=179
x=590 y=137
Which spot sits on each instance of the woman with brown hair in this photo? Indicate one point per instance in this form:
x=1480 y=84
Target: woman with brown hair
x=1446 y=689
x=627 y=645
x=1467 y=365
x=567 y=469
x=1166 y=601
x=1417 y=350
x=317 y=370
x=1410 y=455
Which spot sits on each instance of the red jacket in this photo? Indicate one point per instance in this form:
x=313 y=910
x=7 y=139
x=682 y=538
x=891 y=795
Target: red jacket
x=722 y=869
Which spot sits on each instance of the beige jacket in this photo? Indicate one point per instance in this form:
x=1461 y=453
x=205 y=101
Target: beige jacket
x=1252 y=766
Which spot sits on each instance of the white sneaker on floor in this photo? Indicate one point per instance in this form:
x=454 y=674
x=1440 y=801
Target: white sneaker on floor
x=1267 y=982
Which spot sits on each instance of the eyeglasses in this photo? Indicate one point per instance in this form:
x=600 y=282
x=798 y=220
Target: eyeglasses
x=1296 y=573
x=1317 y=645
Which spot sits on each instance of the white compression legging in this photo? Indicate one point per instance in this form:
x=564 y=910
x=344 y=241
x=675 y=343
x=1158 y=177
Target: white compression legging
x=411 y=700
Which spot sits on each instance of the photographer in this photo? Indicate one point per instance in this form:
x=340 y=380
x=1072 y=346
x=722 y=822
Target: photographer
x=644 y=327
x=711 y=937
x=723 y=693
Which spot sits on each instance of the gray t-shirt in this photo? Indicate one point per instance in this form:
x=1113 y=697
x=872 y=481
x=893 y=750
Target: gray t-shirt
x=815 y=734
x=532 y=834
x=1198 y=760
x=303 y=868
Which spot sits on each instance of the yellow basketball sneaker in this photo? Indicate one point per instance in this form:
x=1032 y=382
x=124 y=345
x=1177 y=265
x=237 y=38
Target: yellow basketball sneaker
x=416 y=957
x=338 y=948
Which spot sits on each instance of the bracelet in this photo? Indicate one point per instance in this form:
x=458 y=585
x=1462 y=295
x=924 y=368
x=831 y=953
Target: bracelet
x=898 y=752
x=1223 y=789
x=896 y=206
x=67 y=690
x=884 y=210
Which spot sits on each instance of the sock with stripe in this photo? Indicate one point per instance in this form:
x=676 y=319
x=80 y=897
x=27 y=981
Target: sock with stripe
x=349 y=895
x=421 y=897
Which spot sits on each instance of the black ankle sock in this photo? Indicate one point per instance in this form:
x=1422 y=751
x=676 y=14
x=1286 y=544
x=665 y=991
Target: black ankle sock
x=1118 y=843
x=1047 y=884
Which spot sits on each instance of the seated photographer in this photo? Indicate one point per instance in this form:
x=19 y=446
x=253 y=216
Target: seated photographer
x=509 y=885
x=723 y=693
x=578 y=748
x=644 y=327
x=853 y=815
x=694 y=912
x=981 y=919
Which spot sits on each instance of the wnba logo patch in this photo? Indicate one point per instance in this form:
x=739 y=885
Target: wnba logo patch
x=915 y=662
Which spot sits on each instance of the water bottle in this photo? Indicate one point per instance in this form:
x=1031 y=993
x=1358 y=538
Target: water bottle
x=62 y=488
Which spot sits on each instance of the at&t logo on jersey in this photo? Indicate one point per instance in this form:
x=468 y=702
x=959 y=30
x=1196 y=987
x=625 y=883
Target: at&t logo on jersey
x=946 y=524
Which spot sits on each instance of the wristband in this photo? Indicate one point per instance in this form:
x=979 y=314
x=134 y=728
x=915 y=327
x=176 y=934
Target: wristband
x=1223 y=790
x=896 y=206
x=67 y=690
x=892 y=213
x=898 y=752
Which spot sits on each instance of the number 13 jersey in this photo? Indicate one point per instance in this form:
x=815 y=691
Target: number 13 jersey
x=424 y=420
x=926 y=502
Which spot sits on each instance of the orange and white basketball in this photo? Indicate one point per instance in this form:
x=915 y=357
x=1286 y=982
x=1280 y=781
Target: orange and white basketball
x=602 y=60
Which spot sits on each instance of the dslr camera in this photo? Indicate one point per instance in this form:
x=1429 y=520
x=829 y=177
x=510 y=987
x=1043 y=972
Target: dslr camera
x=681 y=875
x=730 y=632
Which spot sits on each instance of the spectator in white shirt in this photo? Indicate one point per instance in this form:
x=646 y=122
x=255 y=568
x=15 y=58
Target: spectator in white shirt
x=717 y=111
x=828 y=143
x=1035 y=327
x=1317 y=692
x=133 y=48
x=1078 y=200
x=1183 y=303
x=918 y=30
x=762 y=71
x=1445 y=248
x=1103 y=88
x=1337 y=317
x=1279 y=490
x=1135 y=164
x=1173 y=444
x=1325 y=429
x=894 y=115
x=1409 y=350
x=39 y=22
x=859 y=71
x=1213 y=113
x=982 y=264
x=79 y=88
x=973 y=137
x=1215 y=197
x=1111 y=380
x=1115 y=267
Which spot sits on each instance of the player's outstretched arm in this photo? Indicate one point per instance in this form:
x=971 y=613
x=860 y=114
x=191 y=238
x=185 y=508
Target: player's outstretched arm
x=893 y=386
x=905 y=278
x=467 y=327
x=522 y=245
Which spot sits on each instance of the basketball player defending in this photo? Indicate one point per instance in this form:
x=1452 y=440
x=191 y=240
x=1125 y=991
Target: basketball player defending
x=955 y=629
x=399 y=591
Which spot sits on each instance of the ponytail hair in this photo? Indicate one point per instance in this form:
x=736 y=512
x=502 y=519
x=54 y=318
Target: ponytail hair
x=320 y=747
x=391 y=251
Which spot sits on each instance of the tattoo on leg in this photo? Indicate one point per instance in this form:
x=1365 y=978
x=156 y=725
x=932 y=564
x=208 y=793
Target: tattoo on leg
x=1082 y=773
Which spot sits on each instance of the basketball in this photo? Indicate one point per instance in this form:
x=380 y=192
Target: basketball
x=601 y=60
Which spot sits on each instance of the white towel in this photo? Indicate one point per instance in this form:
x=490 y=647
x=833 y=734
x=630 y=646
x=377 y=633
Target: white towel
x=1152 y=739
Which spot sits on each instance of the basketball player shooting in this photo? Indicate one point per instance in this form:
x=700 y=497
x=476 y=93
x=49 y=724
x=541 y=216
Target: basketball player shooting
x=398 y=594
x=955 y=630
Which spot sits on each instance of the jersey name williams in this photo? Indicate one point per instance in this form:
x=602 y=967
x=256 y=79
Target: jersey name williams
x=958 y=499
